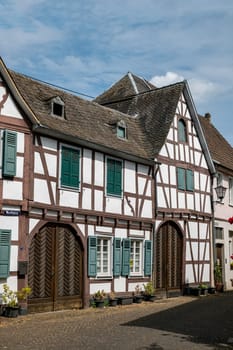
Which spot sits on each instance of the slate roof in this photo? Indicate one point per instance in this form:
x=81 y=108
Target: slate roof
x=154 y=110
x=220 y=150
x=84 y=120
x=129 y=85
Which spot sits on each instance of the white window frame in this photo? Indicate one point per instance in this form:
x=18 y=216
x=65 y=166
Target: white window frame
x=231 y=190
x=136 y=269
x=100 y=258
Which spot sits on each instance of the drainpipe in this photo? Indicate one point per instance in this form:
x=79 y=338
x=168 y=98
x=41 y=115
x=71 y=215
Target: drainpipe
x=156 y=169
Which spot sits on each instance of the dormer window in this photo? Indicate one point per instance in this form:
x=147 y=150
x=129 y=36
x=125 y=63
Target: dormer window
x=121 y=130
x=57 y=107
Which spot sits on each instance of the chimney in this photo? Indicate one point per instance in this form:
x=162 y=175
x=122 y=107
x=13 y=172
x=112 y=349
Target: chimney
x=208 y=116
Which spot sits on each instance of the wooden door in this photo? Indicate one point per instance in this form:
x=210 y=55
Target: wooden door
x=55 y=269
x=168 y=270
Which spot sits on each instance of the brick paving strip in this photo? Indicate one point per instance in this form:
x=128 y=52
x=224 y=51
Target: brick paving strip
x=94 y=329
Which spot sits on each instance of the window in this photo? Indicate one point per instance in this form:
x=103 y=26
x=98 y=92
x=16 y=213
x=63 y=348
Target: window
x=218 y=232
x=185 y=179
x=231 y=191
x=182 y=133
x=135 y=257
x=121 y=129
x=9 y=153
x=57 y=107
x=5 y=240
x=114 y=177
x=70 y=159
x=103 y=256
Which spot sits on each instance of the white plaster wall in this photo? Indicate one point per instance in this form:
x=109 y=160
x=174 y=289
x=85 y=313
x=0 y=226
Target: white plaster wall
x=19 y=166
x=204 y=231
x=41 y=193
x=129 y=206
x=181 y=200
x=172 y=175
x=193 y=229
x=190 y=201
x=206 y=272
x=120 y=284
x=160 y=198
x=163 y=151
x=171 y=150
x=129 y=178
x=14 y=258
x=38 y=164
x=143 y=169
x=197 y=201
x=9 y=108
x=81 y=228
x=120 y=233
x=98 y=200
x=12 y=283
x=113 y=205
x=51 y=161
x=189 y=276
x=49 y=144
x=147 y=209
x=170 y=135
x=69 y=198
x=10 y=223
x=86 y=198
x=32 y=224
x=12 y=189
x=87 y=168
x=164 y=173
x=173 y=198
x=95 y=287
x=99 y=169
x=20 y=142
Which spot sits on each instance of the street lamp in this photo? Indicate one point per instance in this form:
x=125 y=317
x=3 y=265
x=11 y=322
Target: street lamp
x=220 y=191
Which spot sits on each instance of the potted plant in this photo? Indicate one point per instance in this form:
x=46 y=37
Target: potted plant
x=22 y=296
x=9 y=297
x=218 y=278
x=137 y=295
x=204 y=289
x=149 y=292
x=99 y=298
x=112 y=300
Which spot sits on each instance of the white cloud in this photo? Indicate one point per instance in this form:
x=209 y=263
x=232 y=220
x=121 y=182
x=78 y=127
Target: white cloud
x=167 y=79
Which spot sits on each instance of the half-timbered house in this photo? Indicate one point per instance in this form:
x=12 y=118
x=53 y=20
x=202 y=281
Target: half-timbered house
x=222 y=156
x=183 y=179
x=76 y=189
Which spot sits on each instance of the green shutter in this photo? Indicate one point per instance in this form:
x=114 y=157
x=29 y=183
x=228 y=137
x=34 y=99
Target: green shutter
x=114 y=177
x=70 y=167
x=189 y=180
x=9 y=153
x=92 y=252
x=181 y=178
x=5 y=244
x=125 y=257
x=116 y=257
x=147 y=258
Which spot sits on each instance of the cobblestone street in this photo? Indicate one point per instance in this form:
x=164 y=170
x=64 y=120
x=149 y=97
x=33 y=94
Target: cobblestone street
x=169 y=324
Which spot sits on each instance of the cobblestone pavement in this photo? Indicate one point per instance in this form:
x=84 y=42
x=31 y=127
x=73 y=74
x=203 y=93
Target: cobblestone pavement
x=168 y=324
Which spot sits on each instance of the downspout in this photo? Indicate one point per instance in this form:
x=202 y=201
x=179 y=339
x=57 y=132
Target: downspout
x=156 y=169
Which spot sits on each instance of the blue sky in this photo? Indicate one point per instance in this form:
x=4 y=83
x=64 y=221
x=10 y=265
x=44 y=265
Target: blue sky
x=87 y=45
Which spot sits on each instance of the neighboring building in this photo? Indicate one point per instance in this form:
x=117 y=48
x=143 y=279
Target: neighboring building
x=101 y=198
x=183 y=192
x=222 y=155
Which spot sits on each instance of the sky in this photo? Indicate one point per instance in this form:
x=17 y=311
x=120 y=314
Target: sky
x=88 y=45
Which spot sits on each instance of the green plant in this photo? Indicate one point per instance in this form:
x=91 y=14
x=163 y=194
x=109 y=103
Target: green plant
x=149 y=288
x=23 y=293
x=111 y=296
x=218 y=273
x=203 y=286
x=138 y=290
x=9 y=296
x=100 y=294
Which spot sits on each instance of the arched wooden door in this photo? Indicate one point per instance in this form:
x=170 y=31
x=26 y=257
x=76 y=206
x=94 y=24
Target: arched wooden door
x=55 y=269
x=169 y=252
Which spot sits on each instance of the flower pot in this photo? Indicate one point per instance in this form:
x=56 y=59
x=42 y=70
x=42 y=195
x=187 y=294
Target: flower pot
x=149 y=297
x=125 y=300
x=137 y=299
x=99 y=303
x=11 y=311
x=112 y=302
